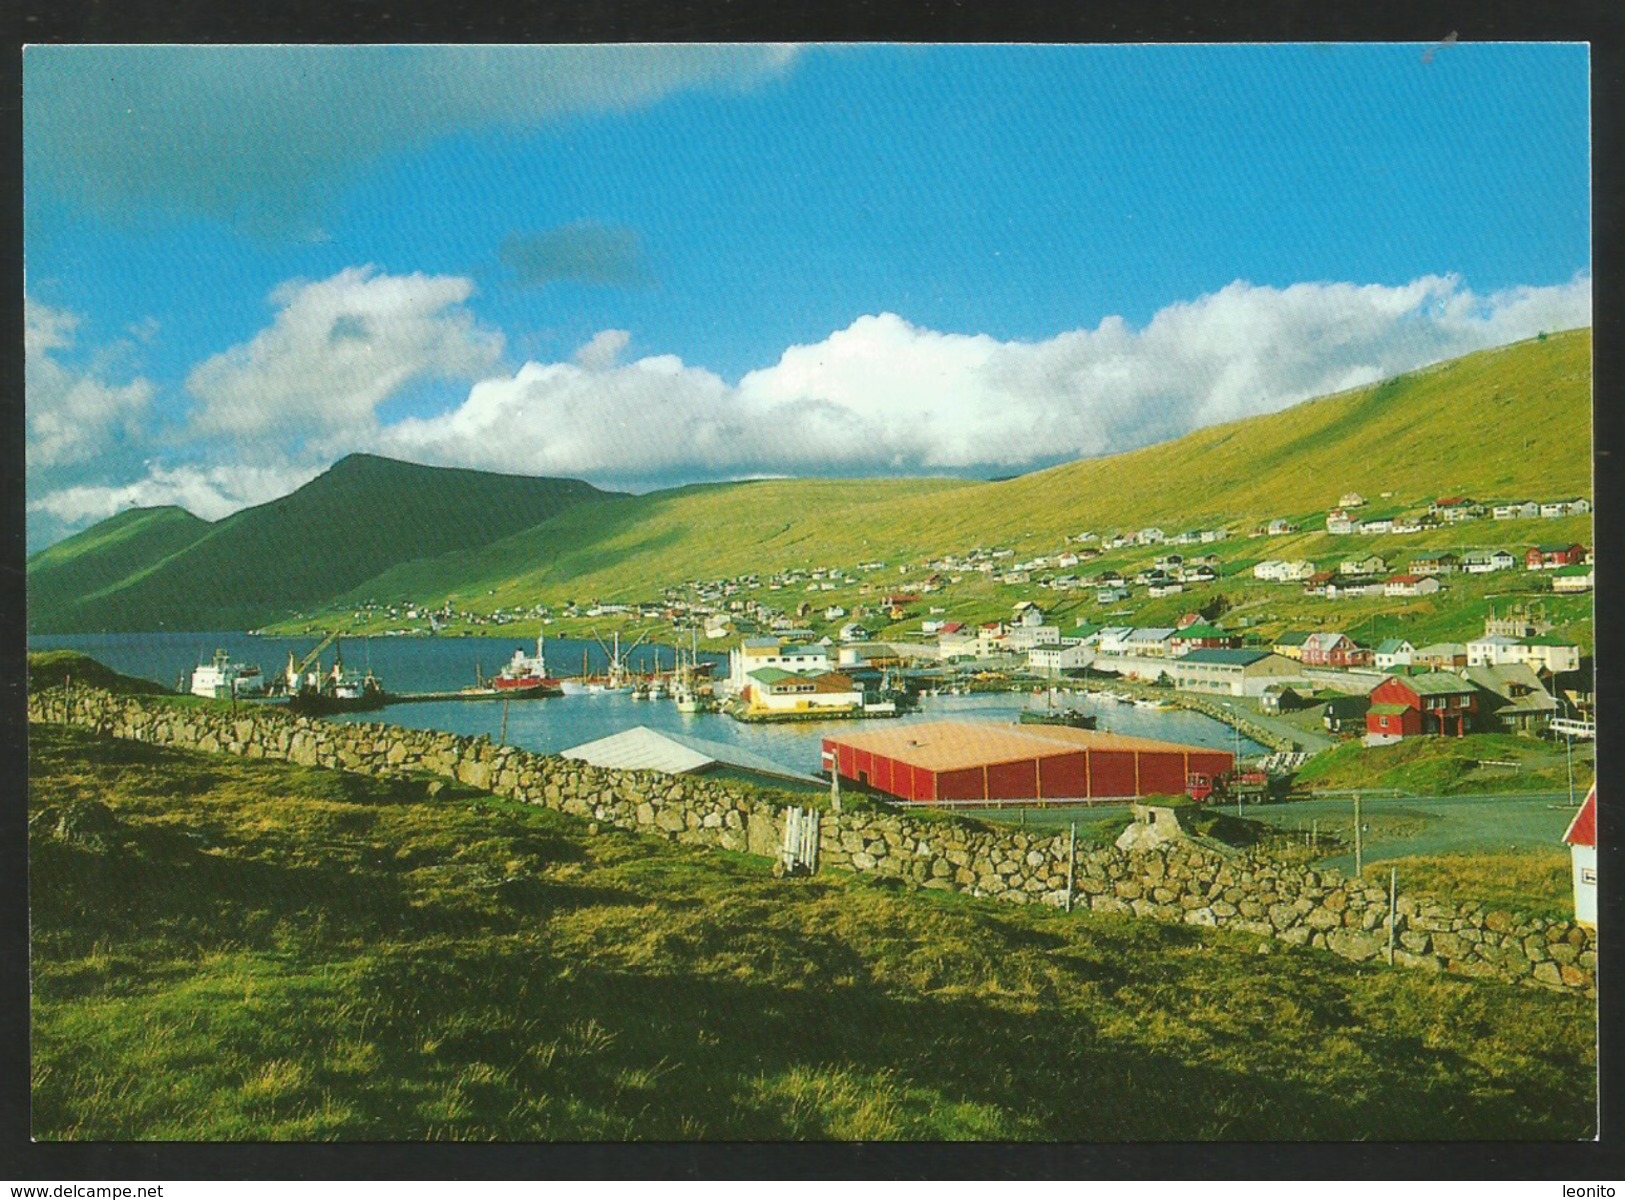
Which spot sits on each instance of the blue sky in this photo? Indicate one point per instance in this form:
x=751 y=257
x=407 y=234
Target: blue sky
x=650 y=265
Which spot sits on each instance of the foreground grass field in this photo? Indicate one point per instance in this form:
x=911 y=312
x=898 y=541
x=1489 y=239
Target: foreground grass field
x=226 y=949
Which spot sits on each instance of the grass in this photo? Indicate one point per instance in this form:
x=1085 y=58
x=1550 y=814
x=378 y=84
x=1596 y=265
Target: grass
x=229 y=949
x=1539 y=883
x=1439 y=766
x=54 y=668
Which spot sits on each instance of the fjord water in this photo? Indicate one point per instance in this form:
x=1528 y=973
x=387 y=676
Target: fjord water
x=429 y=664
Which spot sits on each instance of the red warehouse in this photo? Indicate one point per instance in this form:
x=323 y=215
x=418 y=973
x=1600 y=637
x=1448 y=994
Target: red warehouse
x=962 y=760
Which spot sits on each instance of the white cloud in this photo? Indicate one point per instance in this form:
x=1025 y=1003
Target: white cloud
x=207 y=492
x=886 y=396
x=604 y=350
x=73 y=416
x=339 y=348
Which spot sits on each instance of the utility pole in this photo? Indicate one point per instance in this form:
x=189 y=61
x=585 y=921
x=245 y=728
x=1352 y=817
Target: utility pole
x=502 y=738
x=1393 y=893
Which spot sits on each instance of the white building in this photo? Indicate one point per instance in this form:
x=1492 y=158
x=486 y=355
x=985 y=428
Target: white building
x=1052 y=660
x=1494 y=651
x=1581 y=837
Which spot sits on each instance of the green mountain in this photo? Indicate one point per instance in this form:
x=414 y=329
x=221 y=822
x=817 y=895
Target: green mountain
x=1510 y=422
x=165 y=569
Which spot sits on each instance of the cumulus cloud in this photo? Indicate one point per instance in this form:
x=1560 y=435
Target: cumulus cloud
x=604 y=349
x=887 y=396
x=586 y=252
x=74 y=415
x=337 y=349
x=207 y=492
x=248 y=132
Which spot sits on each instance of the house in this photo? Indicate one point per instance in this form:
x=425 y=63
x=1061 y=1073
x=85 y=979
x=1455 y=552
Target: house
x=1438 y=563
x=1393 y=652
x=1569 y=580
x=1279 y=698
x=1269 y=569
x=1494 y=651
x=1377 y=524
x=1350 y=500
x=1581 y=838
x=756 y=653
x=1355 y=585
x=1550 y=654
x=1371 y=564
x=1025 y=637
x=1340 y=520
x=1317 y=583
x=1113 y=639
x=1198 y=574
x=1111 y=595
x=1456 y=508
x=1167 y=587
x=1441 y=656
x=1153 y=642
x=1482 y=562
x=834 y=612
x=1233 y=672
x=1290 y=645
x=1411 y=585
x=1432 y=703
x=1059 y=659
x=1334 y=650
x=853 y=632
x=1550 y=558
x=1513 y=699
x=1202 y=636
x=1150 y=537
x=1279 y=526
x=1170 y=562
x=1516 y=510
x=1028 y=613
x=772 y=691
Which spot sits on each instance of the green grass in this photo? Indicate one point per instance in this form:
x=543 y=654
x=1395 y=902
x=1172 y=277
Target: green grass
x=1539 y=883
x=228 y=949
x=54 y=668
x=1446 y=766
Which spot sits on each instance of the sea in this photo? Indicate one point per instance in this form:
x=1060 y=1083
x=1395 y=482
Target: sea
x=548 y=726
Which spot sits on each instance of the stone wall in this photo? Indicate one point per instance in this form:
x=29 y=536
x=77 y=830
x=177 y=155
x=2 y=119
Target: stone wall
x=1184 y=881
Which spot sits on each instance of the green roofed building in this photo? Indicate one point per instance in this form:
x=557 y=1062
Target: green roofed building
x=1233 y=671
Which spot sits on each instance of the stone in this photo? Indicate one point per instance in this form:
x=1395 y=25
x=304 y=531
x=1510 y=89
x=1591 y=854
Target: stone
x=1549 y=974
x=1200 y=916
x=1296 y=936
x=1283 y=916
x=862 y=861
x=1415 y=941
x=1571 y=976
x=1426 y=962
x=1353 y=945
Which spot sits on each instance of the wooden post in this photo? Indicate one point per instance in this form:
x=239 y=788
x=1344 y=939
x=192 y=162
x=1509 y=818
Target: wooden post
x=1071 y=862
x=1358 y=867
x=1314 y=833
x=1393 y=889
x=502 y=737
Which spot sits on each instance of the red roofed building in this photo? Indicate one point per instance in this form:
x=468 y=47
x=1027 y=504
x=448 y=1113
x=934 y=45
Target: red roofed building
x=1582 y=840
x=1550 y=558
x=981 y=761
x=1434 y=702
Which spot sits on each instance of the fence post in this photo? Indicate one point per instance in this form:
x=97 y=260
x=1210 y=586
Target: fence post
x=1393 y=888
x=1071 y=862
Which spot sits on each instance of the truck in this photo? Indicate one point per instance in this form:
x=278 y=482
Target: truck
x=1245 y=786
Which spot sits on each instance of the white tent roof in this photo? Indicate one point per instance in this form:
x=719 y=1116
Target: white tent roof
x=645 y=749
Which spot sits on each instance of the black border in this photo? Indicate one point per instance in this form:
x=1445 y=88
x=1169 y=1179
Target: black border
x=1595 y=21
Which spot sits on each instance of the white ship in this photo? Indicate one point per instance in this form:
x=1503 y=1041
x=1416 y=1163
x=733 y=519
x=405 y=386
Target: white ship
x=223 y=679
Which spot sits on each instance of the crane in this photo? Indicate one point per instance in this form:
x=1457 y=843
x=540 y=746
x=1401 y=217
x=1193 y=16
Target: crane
x=296 y=673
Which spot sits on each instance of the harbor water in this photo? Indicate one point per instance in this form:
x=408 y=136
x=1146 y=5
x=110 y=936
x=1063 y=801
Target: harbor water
x=547 y=726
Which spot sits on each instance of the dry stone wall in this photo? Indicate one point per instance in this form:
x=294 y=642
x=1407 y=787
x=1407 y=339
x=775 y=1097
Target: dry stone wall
x=1183 y=881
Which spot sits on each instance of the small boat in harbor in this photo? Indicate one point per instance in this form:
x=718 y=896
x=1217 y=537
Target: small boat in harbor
x=525 y=676
x=315 y=693
x=1069 y=717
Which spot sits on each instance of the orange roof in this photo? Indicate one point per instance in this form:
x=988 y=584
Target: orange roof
x=953 y=745
x=1582 y=830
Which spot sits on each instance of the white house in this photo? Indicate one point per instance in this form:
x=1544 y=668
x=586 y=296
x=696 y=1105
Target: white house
x=1410 y=585
x=1547 y=653
x=1053 y=659
x=1350 y=500
x=1025 y=637
x=1393 y=652
x=1578 y=578
x=1341 y=521
x=1494 y=651
x=1581 y=837
x=1152 y=642
x=1113 y=639
x=1482 y=562
x=1111 y=595
x=1150 y=537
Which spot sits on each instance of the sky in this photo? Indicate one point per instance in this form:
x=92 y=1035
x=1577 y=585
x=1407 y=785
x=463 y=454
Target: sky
x=652 y=265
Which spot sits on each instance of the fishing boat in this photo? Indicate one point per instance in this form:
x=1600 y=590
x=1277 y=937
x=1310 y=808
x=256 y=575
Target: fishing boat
x=1069 y=717
x=315 y=693
x=223 y=679
x=525 y=675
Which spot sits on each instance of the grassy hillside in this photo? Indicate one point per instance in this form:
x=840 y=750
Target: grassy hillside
x=103 y=555
x=362 y=516
x=1511 y=422
x=1448 y=766
x=230 y=949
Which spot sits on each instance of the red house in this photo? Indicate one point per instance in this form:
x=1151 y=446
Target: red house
x=1334 y=650
x=1550 y=558
x=1434 y=702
